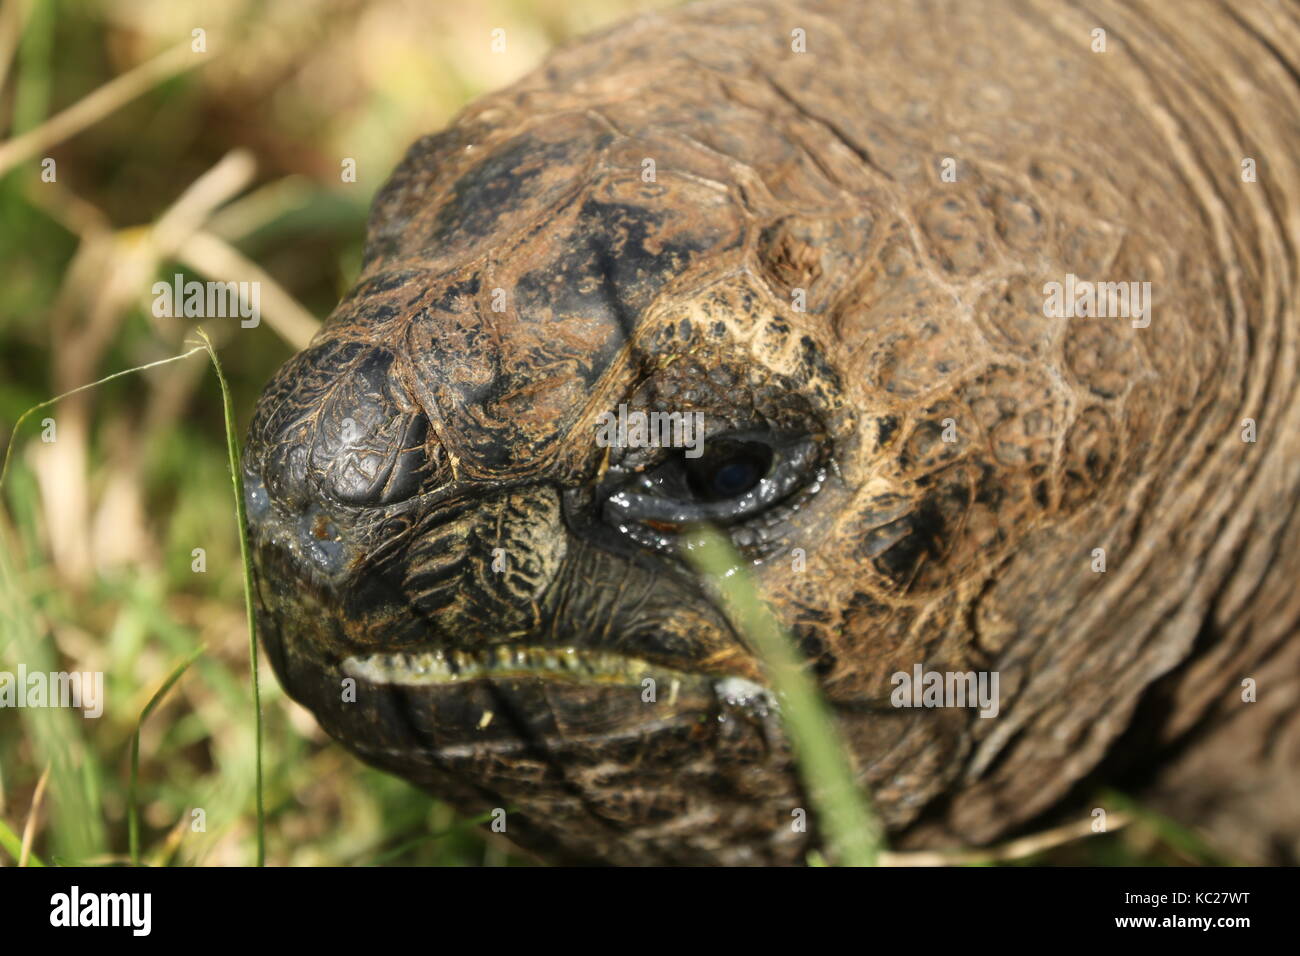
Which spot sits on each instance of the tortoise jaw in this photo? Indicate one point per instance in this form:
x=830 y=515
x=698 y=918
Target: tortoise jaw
x=614 y=747
x=568 y=671
x=434 y=705
x=517 y=699
x=504 y=661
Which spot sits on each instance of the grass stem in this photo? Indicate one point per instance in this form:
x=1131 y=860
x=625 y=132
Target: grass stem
x=133 y=804
x=232 y=448
x=853 y=835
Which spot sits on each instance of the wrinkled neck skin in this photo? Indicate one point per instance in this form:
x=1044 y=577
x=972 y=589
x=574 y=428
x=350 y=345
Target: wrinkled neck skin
x=1072 y=503
x=1202 y=605
x=1140 y=178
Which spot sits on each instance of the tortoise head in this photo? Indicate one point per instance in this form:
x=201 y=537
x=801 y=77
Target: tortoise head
x=468 y=495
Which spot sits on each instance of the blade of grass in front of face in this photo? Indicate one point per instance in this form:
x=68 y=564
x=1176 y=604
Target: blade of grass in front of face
x=133 y=805
x=232 y=448
x=853 y=835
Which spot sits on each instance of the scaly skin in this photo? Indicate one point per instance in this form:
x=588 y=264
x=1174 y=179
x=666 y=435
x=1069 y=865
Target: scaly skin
x=422 y=429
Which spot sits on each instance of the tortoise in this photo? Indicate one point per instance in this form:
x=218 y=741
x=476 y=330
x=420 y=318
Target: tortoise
x=836 y=235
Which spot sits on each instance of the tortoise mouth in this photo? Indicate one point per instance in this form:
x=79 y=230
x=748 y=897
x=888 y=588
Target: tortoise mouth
x=436 y=716
x=448 y=700
x=507 y=661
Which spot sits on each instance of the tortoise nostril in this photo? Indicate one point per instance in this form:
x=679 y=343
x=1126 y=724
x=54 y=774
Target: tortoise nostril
x=257 y=503
x=318 y=538
x=334 y=425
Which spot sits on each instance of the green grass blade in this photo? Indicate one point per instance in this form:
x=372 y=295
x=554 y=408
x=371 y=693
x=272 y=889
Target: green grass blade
x=232 y=448
x=853 y=835
x=133 y=805
x=424 y=838
x=13 y=845
x=4 y=467
x=1180 y=838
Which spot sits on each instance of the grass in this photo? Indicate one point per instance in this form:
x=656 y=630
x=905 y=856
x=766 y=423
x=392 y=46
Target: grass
x=56 y=741
x=241 y=531
x=132 y=798
x=12 y=844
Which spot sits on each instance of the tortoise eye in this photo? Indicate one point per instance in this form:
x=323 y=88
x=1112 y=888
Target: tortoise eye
x=728 y=469
x=740 y=480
